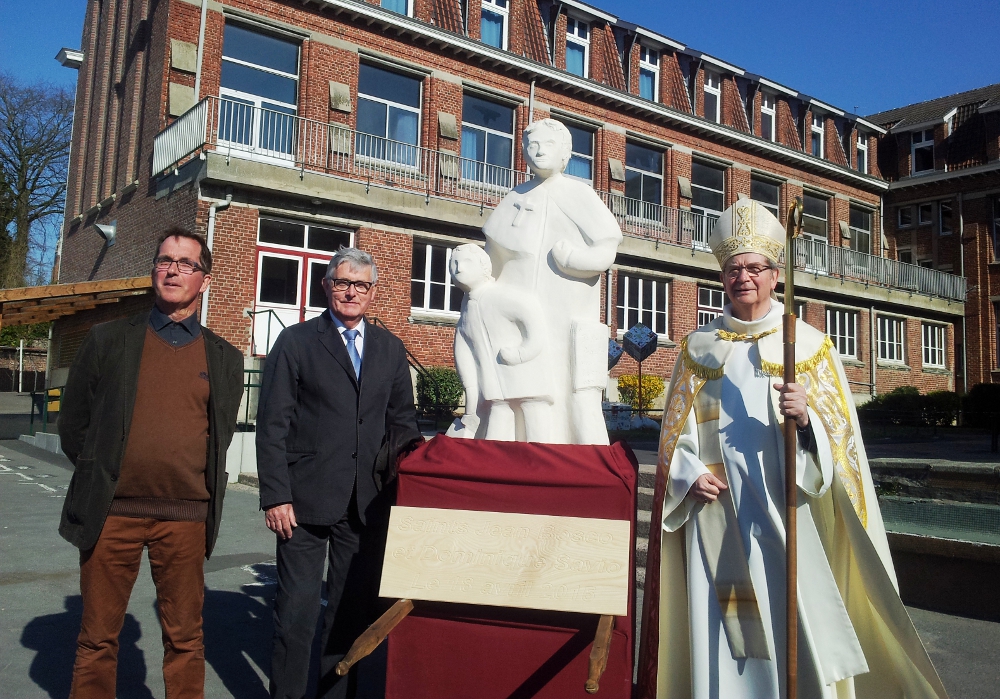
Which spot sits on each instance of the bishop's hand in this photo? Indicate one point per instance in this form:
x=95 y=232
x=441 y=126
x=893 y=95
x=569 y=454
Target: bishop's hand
x=706 y=488
x=792 y=403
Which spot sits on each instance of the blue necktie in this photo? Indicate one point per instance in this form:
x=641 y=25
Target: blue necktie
x=352 y=350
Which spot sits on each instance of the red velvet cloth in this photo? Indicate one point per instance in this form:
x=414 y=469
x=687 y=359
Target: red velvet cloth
x=477 y=652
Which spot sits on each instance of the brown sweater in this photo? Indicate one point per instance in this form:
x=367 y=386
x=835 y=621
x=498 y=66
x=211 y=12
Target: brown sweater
x=163 y=469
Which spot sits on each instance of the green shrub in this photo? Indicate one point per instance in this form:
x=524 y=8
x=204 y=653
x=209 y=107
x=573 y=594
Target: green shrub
x=439 y=390
x=981 y=405
x=628 y=390
x=906 y=406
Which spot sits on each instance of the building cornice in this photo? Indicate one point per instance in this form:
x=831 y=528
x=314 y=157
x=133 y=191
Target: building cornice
x=920 y=181
x=436 y=36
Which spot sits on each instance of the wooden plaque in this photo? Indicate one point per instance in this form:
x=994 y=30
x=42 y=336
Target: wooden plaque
x=567 y=564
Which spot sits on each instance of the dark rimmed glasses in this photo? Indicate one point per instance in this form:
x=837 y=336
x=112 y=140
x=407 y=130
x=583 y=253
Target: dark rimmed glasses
x=345 y=284
x=751 y=270
x=184 y=265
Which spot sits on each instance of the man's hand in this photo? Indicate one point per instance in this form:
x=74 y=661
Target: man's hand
x=280 y=519
x=707 y=488
x=792 y=403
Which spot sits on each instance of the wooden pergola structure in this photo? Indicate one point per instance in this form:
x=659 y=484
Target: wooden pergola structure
x=41 y=304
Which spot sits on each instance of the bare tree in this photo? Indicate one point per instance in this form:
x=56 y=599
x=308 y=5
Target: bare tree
x=35 y=130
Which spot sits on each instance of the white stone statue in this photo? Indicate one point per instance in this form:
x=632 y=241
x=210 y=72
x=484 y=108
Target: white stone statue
x=549 y=240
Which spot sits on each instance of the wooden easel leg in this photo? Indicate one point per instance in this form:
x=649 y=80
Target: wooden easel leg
x=374 y=634
x=599 y=653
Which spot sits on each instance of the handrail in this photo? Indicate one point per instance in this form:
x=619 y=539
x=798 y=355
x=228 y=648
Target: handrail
x=415 y=363
x=253 y=315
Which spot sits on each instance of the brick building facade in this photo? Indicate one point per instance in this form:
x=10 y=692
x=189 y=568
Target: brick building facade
x=283 y=129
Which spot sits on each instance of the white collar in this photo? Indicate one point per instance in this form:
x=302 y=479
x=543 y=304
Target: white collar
x=360 y=327
x=771 y=319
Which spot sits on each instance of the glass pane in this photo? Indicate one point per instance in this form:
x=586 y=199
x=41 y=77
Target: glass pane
x=574 y=58
x=643 y=158
x=923 y=159
x=387 y=85
x=488 y=114
x=813 y=206
x=417 y=294
x=473 y=144
x=766 y=192
x=236 y=121
x=633 y=184
x=262 y=49
x=704 y=175
x=279 y=280
x=652 y=189
x=258 y=82
x=647 y=83
x=905 y=216
x=580 y=167
x=456 y=299
x=817 y=144
x=403 y=125
x=328 y=239
x=661 y=297
x=491 y=29
x=371 y=117
x=766 y=127
x=707 y=199
x=711 y=107
x=282 y=233
x=647 y=294
x=583 y=140
x=439 y=266
x=499 y=150
x=419 y=263
x=395 y=6
x=437 y=297
x=317 y=297
x=861 y=219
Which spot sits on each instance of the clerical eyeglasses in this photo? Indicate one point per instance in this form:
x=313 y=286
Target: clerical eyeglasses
x=751 y=270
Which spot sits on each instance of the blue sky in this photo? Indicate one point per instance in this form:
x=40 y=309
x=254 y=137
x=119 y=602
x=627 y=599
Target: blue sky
x=867 y=55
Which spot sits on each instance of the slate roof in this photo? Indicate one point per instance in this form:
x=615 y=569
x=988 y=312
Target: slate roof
x=936 y=109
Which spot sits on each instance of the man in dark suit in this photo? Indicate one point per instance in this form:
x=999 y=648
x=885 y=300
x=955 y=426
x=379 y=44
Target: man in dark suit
x=333 y=388
x=147 y=416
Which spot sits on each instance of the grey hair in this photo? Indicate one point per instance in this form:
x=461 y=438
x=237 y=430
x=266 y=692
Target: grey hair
x=565 y=137
x=479 y=255
x=353 y=258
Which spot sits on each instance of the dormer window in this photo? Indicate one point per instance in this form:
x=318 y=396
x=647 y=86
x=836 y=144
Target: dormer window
x=493 y=25
x=577 y=47
x=713 y=96
x=649 y=73
x=922 y=150
x=862 y=152
x=818 y=127
x=767 y=117
x=400 y=6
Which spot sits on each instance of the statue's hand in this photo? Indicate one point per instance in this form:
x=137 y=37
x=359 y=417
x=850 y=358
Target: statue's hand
x=561 y=253
x=511 y=355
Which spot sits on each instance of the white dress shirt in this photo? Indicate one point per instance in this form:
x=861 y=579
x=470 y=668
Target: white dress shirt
x=359 y=341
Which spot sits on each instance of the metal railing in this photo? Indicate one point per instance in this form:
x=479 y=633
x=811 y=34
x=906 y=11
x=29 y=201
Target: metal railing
x=657 y=222
x=243 y=130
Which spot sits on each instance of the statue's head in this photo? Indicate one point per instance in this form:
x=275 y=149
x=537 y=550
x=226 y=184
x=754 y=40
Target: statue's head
x=470 y=267
x=547 y=146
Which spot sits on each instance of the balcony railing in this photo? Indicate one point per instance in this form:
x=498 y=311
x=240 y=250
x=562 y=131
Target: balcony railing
x=238 y=129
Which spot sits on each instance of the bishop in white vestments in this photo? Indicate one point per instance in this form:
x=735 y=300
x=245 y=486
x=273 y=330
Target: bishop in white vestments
x=714 y=618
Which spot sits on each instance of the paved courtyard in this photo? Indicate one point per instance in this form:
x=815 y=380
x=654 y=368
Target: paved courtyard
x=40 y=603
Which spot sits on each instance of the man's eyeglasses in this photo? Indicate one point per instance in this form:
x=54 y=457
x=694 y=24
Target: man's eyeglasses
x=751 y=270
x=184 y=266
x=345 y=284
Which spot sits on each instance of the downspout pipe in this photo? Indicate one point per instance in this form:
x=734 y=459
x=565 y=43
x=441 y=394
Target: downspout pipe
x=961 y=273
x=201 y=51
x=531 y=103
x=212 y=210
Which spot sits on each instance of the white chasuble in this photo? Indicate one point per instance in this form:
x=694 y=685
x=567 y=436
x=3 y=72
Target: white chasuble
x=854 y=637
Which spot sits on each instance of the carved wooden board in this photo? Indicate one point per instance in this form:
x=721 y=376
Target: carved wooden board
x=568 y=564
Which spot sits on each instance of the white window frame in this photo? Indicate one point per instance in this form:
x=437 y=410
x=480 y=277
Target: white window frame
x=818 y=126
x=649 y=61
x=575 y=38
x=855 y=231
x=624 y=303
x=842 y=329
x=404 y=107
x=504 y=13
x=942 y=205
x=644 y=210
x=932 y=345
x=713 y=86
x=708 y=216
x=891 y=339
x=486 y=165
x=425 y=310
x=862 y=148
x=712 y=308
x=923 y=143
x=773 y=208
x=582 y=156
x=770 y=111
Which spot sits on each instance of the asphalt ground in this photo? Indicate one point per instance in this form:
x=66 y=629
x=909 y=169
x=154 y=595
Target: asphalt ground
x=40 y=605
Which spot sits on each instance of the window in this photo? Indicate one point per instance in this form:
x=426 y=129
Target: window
x=842 y=327
x=581 y=162
x=767 y=117
x=904 y=216
x=710 y=303
x=431 y=286
x=922 y=150
x=765 y=192
x=292 y=258
x=861 y=230
x=388 y=115
x=862 y=153
x=932 y=345
x=713 y=96
x=905 y=255
x=577 y=47
x=642 y=300
x=811 y=250
x=400 y=6
x=649 y=74
x=925 y=213
x=890 y=339
x=493 y=25
x=259 y=90
x=944 y=218
x=487 y=141
x=708 y=198
x=643 y=181
x=818 y=128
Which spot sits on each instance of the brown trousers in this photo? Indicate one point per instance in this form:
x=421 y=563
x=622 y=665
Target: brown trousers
x=107 y=574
